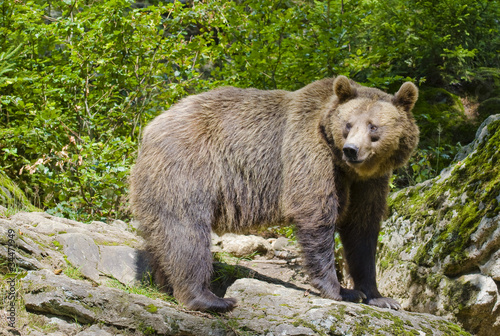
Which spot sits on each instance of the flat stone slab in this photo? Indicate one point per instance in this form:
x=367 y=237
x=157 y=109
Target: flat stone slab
x=120 y=262
x=270 y=309
x=82 y=252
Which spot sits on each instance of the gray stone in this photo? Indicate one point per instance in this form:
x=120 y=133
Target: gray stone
x=290 y=330
x=481 y=135
x=480 y=305
x=492 y=266
x=94 y=331
x=100 y=232
x=21 y=261
x=134 y=224
x=216 y=239
x=98 y=223
x=64 y=326
x=244 y=245
x=120 y=262
x=120 y=224
x=484 y=294
x=280 y=243
x=102 y=251
x=82 y=253
x=41 y=224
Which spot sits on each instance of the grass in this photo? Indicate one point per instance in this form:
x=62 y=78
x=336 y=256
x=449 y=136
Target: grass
x=73 y=272
x=146 y=288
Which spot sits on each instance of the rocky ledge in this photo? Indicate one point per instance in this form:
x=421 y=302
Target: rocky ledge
x=85 y=279
x=440 y=251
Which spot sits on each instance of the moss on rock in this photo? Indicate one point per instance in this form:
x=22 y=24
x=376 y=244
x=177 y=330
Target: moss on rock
x=457 y=205
x=12 y=197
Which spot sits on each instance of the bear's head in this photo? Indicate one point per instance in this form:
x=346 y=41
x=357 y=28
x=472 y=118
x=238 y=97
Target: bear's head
x=373 y=132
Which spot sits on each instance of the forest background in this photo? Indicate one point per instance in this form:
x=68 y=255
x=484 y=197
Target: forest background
x=79 y=79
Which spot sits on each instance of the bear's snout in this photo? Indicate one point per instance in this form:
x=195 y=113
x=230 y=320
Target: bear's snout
x=351 y=152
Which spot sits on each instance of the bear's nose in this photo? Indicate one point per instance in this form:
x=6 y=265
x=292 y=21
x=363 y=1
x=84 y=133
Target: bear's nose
x=351 y=152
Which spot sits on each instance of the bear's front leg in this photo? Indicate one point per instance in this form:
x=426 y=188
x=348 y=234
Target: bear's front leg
x=318 y=243
x=359 y=232
x=312 y=200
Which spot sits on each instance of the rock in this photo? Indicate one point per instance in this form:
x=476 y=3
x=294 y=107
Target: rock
x=280 y=243
x=216 y=243
x=440 y=248
x=63 y=326
x=121 y=263
x=48 y=225
x=216 y=239
x=54 y=302
x=120 y=224
x=481 y=134
x=94 y=331
x=242 y=246
x=134 y=224
x=77 y=299
x=492 y=266
x=49 y=242
x=263 y=309
x=82 y=253
x=12 y=196
x=269 y=309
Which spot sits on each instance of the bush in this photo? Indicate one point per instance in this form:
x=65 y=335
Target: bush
x=87 y=81
x=80 y=79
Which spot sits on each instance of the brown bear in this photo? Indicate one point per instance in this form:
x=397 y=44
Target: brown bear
x=225 y=160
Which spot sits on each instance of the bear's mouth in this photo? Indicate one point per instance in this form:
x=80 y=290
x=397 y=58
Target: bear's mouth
x=355 y=162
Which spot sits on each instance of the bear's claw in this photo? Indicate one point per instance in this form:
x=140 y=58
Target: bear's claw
x=384 y=302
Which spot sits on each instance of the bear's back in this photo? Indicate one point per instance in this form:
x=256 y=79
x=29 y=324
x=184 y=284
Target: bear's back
x=227 y=141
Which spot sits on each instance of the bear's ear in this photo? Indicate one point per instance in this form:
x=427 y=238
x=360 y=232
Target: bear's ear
x=343 y=89
x=406 y=96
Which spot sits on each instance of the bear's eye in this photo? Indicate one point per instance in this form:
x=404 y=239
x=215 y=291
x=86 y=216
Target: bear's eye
x=373 y=133
x=347 y=128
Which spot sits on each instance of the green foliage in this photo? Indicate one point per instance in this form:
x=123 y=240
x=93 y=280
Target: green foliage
x=93 y=77
x=440 y=41
x=288 y=231
x=444 y=127
x=80 y=79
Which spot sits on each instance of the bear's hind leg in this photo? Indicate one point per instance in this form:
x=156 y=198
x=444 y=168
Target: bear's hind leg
x=184 y=257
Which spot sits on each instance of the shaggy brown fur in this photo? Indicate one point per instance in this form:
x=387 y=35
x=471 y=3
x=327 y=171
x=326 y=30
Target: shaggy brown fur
x=232 y=158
